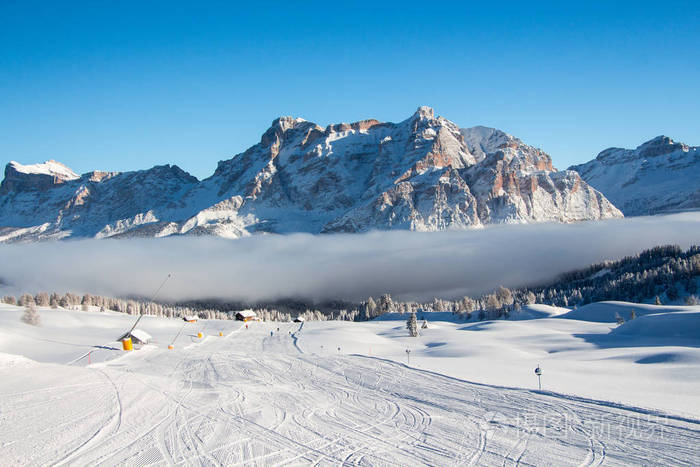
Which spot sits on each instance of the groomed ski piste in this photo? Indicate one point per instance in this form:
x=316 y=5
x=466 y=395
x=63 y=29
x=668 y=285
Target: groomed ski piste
x=341 y=393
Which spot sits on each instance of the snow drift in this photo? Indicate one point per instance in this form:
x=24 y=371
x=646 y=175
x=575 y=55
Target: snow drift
x=679 y=325
x=608 y=312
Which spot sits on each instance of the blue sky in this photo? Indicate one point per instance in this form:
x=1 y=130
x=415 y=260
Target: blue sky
x=127 y=85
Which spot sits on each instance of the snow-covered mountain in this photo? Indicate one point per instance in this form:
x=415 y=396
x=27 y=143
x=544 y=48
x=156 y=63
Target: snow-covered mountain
x=424 y=173
x=660 y=175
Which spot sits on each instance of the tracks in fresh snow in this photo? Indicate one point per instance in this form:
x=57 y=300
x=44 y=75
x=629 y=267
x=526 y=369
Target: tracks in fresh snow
x=253 y=399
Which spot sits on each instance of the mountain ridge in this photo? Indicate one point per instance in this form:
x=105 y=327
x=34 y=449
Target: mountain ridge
x=659 y=175
x=423 y=173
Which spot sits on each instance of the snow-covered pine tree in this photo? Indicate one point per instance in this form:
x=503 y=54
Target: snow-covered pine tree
x=385 y=305
x=412 y=325
x=530 y=298
x=504 y=295
x=493 y=305
x=25 y=300
x=31 y=316
x=42 y=299
x=692 y=300
x=370 y=307
x=9 y=299
x=64 y=302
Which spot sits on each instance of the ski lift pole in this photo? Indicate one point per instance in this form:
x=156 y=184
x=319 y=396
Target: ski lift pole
x=152 y=298
x=538 y=372
x=172 y=344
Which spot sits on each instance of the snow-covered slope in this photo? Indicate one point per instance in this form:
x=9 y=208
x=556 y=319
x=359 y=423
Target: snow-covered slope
x=336 y=393
x=660 y=175
x=424 y=173
x=609 y=312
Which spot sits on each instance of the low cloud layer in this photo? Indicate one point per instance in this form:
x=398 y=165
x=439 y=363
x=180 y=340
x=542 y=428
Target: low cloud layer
x=409 y=265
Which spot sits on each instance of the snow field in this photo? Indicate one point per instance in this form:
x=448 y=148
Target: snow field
x=652 y=361
x=251 y=398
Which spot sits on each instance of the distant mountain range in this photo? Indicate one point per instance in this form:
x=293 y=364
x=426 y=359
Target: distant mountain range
x=659 y=176
x=424 y=173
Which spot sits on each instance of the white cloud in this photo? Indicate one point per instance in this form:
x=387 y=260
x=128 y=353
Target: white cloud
x=409 y=265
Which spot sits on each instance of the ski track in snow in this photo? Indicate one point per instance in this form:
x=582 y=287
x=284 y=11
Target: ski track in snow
x=255 y=399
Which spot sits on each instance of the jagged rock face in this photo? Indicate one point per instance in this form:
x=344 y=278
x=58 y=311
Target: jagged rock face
x=424 y=173
x=37 y=177
x=516 y=182
x=96 y=204
x=658 y=176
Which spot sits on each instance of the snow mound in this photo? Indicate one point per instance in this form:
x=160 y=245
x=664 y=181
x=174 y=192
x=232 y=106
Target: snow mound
x=608 y=312
x=537 y=312
x=16 y=361
x=682 y=324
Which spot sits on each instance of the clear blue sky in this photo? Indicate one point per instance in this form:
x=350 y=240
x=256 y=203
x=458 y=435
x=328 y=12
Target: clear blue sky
x=127 y=85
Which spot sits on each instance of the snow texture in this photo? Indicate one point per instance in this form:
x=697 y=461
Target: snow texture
x=335 y=393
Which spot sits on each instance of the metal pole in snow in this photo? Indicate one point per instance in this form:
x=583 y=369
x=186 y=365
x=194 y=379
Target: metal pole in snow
x=178 y=334
x=408 y=356
x=152 y=298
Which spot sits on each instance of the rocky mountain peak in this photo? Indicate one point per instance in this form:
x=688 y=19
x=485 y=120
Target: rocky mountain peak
x=285 y=123
x=424 y=113
x=35 y=176
x=279 y=127
x=50 y=167
x=170 y=171
x=659 y=146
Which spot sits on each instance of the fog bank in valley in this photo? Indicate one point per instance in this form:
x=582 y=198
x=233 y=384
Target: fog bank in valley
x=408 y=265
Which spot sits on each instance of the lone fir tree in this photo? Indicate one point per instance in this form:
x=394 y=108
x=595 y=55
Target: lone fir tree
x=412 y=325
x=31 y=316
